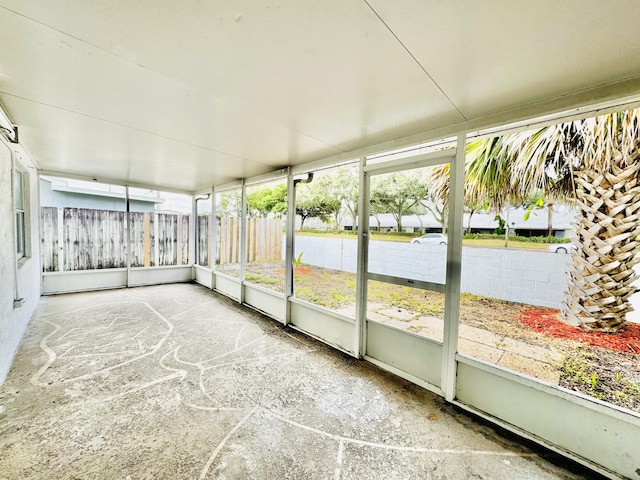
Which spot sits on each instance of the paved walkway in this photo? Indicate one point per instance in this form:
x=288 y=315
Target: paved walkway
x=175 y=382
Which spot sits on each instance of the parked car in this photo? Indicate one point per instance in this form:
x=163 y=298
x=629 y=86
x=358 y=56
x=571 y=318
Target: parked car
x=562 y=248
x=431 y=238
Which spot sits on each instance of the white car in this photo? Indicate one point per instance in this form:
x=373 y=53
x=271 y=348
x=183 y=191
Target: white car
x=562 y=248
x=431 y=238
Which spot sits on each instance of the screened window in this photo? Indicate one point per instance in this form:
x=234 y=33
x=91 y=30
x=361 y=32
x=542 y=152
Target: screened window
x=19 y=212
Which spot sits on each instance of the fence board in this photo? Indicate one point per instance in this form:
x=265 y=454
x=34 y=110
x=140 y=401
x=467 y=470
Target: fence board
x=142 y=239
x=264 y=240
x=49 y=238
x=184 y=236
x=83 y=239
x=167 y=239
x=203 y=241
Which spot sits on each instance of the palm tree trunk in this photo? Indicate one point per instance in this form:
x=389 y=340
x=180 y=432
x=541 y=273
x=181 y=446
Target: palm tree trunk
x=601 y=274
x=550 y=218
x=506 y=230
x=469 y=221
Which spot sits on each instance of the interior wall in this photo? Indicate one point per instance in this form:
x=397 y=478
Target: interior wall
x=17 y=279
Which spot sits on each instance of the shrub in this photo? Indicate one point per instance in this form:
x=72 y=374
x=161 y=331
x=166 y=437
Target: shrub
x=516 y=238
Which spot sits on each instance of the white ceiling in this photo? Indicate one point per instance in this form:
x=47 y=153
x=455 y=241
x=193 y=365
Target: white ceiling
x=188 y=94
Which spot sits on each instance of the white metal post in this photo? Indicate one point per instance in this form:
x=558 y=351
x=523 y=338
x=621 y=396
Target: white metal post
x=290 y=244
x=213 y=235
x=193 y=233
x=243 y=238
x=454 y=261
x=127 y=223
x=360 y=347
x=156 y=238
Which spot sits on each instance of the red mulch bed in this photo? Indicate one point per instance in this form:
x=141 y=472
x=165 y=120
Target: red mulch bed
x=298 y=270
x=546 y=321
x=302 y=271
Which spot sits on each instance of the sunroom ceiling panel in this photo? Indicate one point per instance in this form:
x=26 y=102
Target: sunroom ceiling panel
x=489 y=57
x=78 y=145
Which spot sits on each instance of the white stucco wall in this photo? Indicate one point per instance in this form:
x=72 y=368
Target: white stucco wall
x=26 y=276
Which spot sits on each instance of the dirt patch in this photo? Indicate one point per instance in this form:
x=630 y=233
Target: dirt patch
x=613 y=377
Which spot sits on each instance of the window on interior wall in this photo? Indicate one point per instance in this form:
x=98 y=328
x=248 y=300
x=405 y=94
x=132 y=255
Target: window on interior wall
x=19 y=193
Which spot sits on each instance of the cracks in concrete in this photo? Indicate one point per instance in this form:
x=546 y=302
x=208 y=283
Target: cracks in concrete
x=258 y=401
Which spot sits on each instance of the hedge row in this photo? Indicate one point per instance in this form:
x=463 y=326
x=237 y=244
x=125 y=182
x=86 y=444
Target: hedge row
x=516 y=238
x=470 y=236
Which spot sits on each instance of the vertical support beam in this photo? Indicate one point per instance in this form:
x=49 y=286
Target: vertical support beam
x=212 y=245
x=127 y=223
x=362 y=267
x=194 y=250
x=243 y=239
x=193 y=243
x=60 y=233
x=213 y=234
x=454 y=268
x=156 y=238
x=289 y=246
x=179 y=240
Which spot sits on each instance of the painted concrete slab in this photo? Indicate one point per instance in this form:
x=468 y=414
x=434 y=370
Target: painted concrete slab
x=175 y=381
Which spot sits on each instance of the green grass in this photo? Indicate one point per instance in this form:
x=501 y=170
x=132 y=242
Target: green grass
x=495 y=243
x=261 y=279
x=475 y=242
x=352 y=236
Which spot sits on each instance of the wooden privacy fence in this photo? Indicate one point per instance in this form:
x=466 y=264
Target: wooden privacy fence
x=203 y=240
x=159 y=239
x=264 y=240
x=86 y=239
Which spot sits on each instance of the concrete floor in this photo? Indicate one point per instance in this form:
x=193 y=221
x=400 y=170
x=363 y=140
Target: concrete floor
x=175 y=382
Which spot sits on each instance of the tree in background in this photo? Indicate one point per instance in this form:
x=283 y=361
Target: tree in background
x=229 y=203
x=338 y=189
x=398 y=194
x=314 y=202
x=473 y=207
x=267 y=201
x=345 y=183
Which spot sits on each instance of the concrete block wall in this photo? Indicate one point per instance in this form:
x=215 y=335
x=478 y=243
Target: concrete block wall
x=399 y=259
x=525 y=276
x=22 y=279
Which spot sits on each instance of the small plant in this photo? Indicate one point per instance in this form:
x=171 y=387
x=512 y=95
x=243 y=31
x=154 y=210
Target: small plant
x=501 y=224
x=594 y=381
x=297 y=260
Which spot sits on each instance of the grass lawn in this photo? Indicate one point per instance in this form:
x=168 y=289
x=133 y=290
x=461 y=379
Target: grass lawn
x=401 y=238
x=500 y=244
